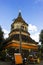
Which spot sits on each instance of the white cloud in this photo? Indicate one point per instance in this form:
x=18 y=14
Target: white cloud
x=35 y=36
x=32 y=28
x=5 y=33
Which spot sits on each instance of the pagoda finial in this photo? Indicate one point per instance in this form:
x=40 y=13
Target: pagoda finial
x=19 y=13
x=19 y=10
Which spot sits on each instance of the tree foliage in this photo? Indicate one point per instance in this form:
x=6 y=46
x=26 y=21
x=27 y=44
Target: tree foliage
x=41 y=37
x=41 y=40
x=1 y=37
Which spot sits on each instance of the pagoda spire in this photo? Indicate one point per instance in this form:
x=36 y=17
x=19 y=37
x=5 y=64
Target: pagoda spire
x=19 y=15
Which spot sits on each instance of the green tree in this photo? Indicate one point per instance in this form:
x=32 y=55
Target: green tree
x=41 y=40
x=41 y=37
x=1 y=41
x=1 y=37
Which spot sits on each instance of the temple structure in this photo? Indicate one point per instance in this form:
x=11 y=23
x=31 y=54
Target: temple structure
x=19 y=39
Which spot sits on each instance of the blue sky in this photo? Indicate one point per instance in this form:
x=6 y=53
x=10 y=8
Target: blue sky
x=32 y=13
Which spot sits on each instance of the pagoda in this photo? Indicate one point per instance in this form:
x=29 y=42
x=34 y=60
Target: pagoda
x=19 y=39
